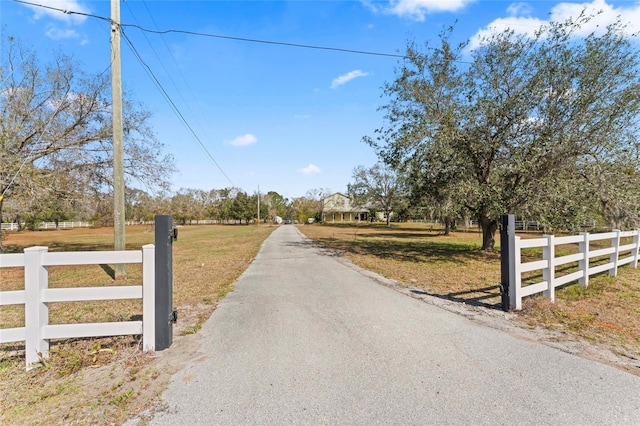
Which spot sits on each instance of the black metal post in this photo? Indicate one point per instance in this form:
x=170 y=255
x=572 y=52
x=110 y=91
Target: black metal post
x=507 y=226
x=166 y=316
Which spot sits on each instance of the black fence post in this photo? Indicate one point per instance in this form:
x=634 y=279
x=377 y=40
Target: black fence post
x=507 y=226
x=166 y=315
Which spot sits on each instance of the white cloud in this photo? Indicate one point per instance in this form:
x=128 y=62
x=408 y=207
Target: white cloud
x=520 y=24
x=244 y=140
x=345 y=78
x=56 y=33
x=604 y=14
x=66 y=5
x=516 y=9
x=311 y=169
x=418 y=9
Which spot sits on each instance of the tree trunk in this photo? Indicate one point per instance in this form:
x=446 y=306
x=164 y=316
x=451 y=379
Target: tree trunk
x=447 y=226
x=489 y=228
x=388 y=219
x=1 y=201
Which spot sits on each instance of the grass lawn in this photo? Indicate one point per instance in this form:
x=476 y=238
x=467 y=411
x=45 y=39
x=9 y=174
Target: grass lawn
x=453 y=267
x=106 y=381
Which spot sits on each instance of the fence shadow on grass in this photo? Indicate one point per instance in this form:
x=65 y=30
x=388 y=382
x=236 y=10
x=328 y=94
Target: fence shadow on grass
x=109 y=270
x=66 y=246
x=473 y=297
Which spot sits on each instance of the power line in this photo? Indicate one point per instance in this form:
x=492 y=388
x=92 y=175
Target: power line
x=200 y=117
x=67 y=12
x=176 y=31
x=152 y=76
x=173 y=105
x=223 y=37
x=277 y=43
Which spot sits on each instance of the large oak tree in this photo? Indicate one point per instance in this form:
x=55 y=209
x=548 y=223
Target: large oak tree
x=498 y=127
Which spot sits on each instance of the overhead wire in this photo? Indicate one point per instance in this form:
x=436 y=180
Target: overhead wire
x=277 y=43
x=153 y=77
x=156 y=55
x=219 y=36
x=172 y=104
x=200 y=34
x=189 y=90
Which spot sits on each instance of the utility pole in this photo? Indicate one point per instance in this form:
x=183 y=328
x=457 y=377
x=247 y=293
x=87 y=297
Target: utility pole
x=118 y=150
x=258 y=204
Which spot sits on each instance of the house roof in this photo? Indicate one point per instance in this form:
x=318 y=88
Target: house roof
x=342 y=205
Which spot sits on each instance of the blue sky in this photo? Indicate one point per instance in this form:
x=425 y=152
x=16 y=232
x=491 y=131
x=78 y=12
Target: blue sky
x=286 y=119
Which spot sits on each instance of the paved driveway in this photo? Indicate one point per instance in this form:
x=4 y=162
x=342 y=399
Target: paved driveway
x=306 y=340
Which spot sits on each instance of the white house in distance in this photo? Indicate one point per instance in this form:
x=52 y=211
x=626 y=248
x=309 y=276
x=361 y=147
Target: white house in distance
x=339 y=208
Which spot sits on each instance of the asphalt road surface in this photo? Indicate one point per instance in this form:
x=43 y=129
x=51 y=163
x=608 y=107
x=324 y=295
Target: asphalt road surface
x=305 y=339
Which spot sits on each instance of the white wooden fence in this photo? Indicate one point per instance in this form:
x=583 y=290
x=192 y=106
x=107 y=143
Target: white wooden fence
x=37 y=295
x=618 y=255
x=68 y=225
x=46 y=225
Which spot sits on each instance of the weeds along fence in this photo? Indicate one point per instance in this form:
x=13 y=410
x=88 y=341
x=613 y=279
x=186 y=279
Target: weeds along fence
x=37 y=295
x=555 y=271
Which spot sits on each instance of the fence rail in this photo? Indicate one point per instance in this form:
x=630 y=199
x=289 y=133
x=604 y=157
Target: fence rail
x=619 y=255
x=69 y=225
x=37 y=295
x=46 y=225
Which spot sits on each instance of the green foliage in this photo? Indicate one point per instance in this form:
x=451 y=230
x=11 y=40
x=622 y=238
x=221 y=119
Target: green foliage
x=276 y=205
x=122 y=399
x=378 y=188
x=543 y=125
x=192 y=329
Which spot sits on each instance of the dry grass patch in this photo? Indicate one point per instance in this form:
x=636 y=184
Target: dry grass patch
x=108 y=380
x=607 y=312
x=421 y=258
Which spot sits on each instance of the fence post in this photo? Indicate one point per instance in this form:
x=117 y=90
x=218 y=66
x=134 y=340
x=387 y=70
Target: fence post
x=507 y=231
x=36 y=312
x=507 y=226
x=636 y=253
x=148 y=298
x=548 y=273
x=165 y=315
x=583 y=265
x=615 y=242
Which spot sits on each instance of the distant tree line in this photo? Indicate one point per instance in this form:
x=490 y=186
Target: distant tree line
x=228 y=205
x=222 y=205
